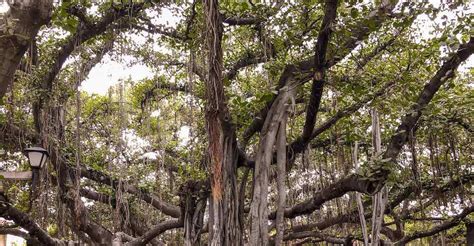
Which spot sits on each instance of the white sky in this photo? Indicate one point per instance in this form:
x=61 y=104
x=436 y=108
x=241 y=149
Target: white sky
x=109 y=73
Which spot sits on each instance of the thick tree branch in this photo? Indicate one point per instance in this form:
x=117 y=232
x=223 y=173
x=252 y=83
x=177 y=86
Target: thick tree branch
x=317 y=87
x=23 y=220
x=240 y=21
x=400 y=195
x=249 y=58
x=18 y=28
x=298 y=145
x=454 y=221
x=316 y=234
x=377 y=16
x=156 y=231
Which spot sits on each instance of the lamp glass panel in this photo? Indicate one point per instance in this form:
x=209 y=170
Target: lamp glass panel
x=35 y=158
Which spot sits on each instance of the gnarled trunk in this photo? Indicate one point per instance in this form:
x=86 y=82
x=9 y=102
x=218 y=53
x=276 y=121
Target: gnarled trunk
x=18 y=28
x=224 y=226
x=259 y=207
x=281 y=175
x=193 y=203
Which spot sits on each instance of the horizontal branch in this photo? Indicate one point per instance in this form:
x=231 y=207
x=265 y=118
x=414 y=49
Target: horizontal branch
x=26 y=175
x=454 y=221
x=240 y=21
x=96 y=196
x=317 y=234
x=166 y=208
x=399 y=197
x=21 y=219
x=156 y=231
x=352 y=182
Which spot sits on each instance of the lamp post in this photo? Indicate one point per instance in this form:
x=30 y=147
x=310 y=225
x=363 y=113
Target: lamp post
x=37 y=157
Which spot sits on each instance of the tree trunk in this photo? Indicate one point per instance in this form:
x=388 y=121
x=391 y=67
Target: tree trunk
x=18 y=28
x=193 y=201
x=470 y=233
x=380 y=198
x=224 y=226
x=259 y=205
x=281 y=175
x=360 y=206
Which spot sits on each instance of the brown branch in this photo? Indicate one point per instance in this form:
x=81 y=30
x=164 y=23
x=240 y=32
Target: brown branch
x=251 y=20
x=103 y=178
x=240 y=21
x=96 y=196
x=335 y=190
x=317 y=234
x=23 y=220
x=156 y=231
x=446 y=72
x=298 y=145
x=455 y=220
x=400 y=196
x=249 y=58
x=317 y=87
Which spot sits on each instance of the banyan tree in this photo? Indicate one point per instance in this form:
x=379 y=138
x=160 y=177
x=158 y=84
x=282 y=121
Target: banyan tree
x=297 y=122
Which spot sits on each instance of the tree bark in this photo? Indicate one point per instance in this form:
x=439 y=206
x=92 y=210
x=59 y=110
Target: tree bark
x=193 y=195
x=470 y=233
x=224 y=225
x=17 y=30
x=360 y=206
x=281 y=175
x=157 y=230
x=10 y=213
x=319 y=80
x=259 y=206
x=380 y=198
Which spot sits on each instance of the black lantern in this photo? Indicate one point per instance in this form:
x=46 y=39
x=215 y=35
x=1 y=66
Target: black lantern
x=36 y=156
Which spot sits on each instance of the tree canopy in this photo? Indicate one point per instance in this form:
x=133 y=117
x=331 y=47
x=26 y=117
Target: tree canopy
x=262 y=123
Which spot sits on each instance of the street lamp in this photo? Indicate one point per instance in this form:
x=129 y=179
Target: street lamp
x=36 y=156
